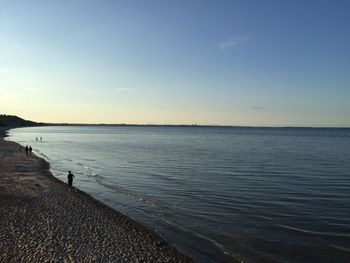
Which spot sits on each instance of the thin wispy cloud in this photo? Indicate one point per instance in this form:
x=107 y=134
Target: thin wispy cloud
x=3 y=71
x=233 y=42
x=31 y=90
x=126 y=90
x=257 y=108
x=16 y=45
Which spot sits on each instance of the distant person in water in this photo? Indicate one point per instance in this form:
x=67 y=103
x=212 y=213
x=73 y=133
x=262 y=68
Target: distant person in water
x=70 y=177
x=26 y=149
x=41 y=139
x=30 y=150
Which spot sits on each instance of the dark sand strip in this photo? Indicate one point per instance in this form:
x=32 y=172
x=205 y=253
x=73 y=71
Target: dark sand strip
x=43 y=220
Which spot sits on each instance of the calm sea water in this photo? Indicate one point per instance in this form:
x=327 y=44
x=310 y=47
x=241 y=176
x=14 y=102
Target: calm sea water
x=217 y=194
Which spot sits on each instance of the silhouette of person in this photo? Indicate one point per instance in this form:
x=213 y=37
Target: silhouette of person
x=30 y=150
x=26 y=149
x=70 y=177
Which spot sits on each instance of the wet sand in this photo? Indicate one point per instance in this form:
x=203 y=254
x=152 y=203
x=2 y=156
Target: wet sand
x=43 y=220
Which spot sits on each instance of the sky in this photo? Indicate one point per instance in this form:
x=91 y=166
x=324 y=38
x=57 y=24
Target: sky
x=212 y=62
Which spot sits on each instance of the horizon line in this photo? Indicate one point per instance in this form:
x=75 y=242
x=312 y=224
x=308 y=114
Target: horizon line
x=191 y=125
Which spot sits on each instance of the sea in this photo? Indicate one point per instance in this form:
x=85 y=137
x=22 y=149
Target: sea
x=218 y=194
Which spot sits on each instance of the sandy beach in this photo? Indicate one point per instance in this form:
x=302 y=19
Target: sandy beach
x=43 y=220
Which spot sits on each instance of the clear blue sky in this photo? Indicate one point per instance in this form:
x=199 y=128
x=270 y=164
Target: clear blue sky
x=271 y=62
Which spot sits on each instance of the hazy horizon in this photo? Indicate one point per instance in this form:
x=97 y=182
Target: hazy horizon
x=232 y=63
x=179 y=124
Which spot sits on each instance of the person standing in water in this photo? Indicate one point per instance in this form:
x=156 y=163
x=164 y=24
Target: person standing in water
x=70 y=177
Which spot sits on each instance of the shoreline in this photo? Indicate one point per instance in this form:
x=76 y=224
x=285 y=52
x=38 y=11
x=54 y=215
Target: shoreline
x=42 y=218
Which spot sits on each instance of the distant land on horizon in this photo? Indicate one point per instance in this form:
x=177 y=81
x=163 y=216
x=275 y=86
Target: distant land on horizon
x=13 y=121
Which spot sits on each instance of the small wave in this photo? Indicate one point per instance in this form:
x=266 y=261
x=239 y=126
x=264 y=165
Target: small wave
x=42 y=155
x=340 y=250
x=215 y=243
x=129 y=193
x=297 y=230
x=89 y=172
x=315 y=233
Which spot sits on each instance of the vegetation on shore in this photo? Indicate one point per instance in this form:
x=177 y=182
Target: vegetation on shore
x=12 y=120
x=15 y=121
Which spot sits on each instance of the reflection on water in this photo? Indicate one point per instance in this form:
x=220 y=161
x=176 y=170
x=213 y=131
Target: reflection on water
x=218 y=194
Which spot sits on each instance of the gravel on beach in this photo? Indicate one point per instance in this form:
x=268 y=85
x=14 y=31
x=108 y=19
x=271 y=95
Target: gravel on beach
x=43 y=220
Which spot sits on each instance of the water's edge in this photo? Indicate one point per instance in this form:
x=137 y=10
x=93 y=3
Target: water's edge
x=148 y=230
x=218 y=195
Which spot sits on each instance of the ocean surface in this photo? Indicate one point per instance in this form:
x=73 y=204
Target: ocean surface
x=217 y=194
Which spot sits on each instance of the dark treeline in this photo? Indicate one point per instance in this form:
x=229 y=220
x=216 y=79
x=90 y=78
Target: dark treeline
x=14 y=121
